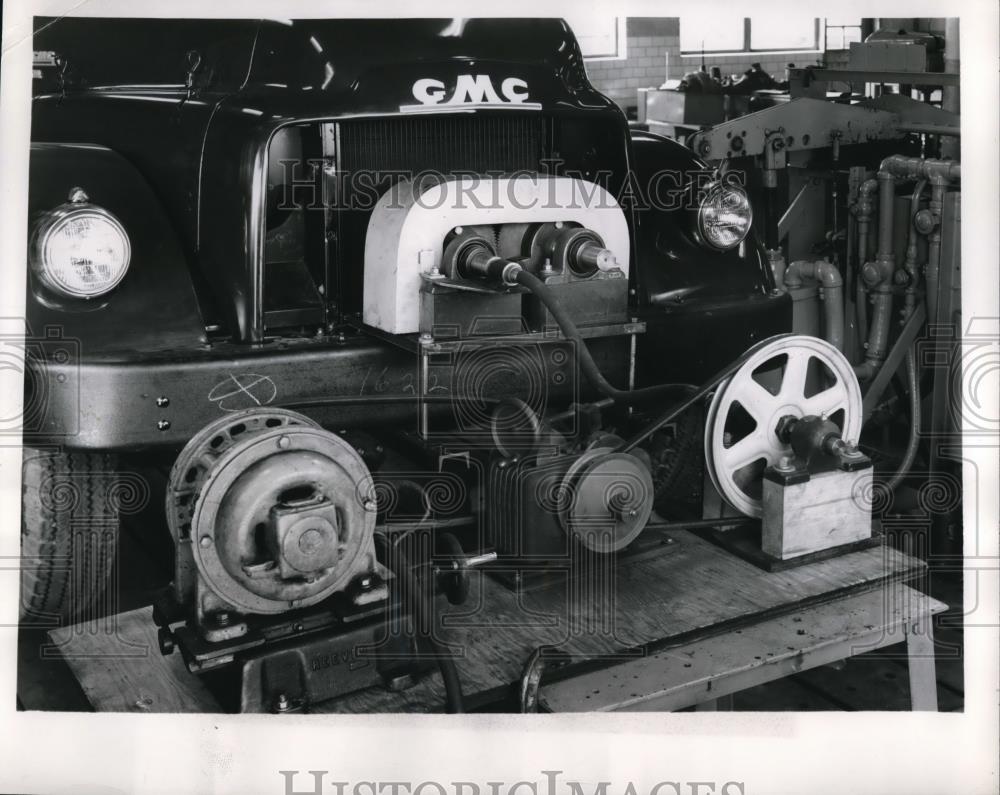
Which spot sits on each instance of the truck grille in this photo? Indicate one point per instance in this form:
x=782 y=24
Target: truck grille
x=446 y=144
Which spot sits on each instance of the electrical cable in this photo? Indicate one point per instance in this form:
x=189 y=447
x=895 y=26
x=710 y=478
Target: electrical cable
x=914 y=441
x=410 y=588
x=584 y=358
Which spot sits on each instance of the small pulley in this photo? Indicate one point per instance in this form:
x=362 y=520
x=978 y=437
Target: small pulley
x=748 y=419
x=606 y=498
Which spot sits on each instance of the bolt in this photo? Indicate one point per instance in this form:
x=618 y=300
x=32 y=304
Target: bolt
x=163 y=402
x=785 y=464
x=163 y=425
x=284 y=442
x=310 y=541
x=205 y=541
x=78 y=196
x=370 y=505
x=222 y=618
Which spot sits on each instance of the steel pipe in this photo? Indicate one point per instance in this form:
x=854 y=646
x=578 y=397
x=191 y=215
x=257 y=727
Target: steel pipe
x=864 y=210
x=879 y=275
x=878 y=337
x=932 y=271
x=829 y=277
x=910 y=262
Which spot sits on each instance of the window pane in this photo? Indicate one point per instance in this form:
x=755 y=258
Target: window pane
x=851 y=35
x=711 y=33
x=596 y=33
x=782 y=33
x=835 y=38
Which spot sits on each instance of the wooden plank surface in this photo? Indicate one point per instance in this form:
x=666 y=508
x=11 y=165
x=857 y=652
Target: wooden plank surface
x=724 y=664
x=693 y=586
x=120 y=668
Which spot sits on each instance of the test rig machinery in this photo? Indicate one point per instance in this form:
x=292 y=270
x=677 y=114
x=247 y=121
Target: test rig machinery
x=365 y=384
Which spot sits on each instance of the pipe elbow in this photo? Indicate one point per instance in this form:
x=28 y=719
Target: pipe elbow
x=942 y=172
x=865 y=371
x=868 y=188
x=824 y=272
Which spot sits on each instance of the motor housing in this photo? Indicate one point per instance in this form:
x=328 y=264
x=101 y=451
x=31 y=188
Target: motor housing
x=269 y=513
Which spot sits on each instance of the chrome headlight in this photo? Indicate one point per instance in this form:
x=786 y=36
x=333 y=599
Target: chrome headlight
x=80 y=250
x=724 y=217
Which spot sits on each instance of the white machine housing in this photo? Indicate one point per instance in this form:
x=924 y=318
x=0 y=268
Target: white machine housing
x=408 y=227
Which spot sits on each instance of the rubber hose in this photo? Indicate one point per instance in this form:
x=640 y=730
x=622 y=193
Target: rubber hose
x=911 y=447
x=397 y=562
x=584 y=359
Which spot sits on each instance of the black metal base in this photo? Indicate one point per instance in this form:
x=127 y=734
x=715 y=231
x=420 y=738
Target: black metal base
x=744 y=542
x=288 y=662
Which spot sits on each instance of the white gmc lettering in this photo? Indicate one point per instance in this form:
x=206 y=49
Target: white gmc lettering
x=474 y=89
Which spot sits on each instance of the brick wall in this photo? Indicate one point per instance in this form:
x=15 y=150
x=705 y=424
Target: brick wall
x=653 y=53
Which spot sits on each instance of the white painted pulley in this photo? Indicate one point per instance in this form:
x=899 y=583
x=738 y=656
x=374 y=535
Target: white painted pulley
x=740 y=430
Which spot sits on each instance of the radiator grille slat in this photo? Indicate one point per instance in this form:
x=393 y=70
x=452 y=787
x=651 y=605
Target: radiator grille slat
x=446 y=144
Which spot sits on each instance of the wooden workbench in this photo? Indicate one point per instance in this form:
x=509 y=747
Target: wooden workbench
x=674 y=599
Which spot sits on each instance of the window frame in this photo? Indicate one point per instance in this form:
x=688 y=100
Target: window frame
x=621 y=43
x=819 y=39
x=826 y=38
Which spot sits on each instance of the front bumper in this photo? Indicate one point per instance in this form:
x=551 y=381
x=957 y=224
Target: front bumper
x=163 y=400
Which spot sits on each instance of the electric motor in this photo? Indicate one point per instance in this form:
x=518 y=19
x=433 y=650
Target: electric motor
x=269 y=513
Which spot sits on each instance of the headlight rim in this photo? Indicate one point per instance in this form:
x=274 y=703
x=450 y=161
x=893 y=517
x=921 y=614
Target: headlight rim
x=712 y=188
x=50 y=222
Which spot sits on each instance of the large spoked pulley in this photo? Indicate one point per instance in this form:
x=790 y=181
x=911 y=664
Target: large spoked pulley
x=794 y=376
x=278 y=512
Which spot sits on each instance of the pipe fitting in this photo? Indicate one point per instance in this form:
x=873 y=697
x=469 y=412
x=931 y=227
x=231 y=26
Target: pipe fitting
x=776 y=259
x=912 y=168
x=924 y=222
x=878 y=339
x=828 y=276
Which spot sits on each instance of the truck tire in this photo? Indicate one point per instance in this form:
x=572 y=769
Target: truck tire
x=69 y=534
